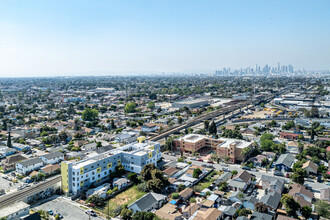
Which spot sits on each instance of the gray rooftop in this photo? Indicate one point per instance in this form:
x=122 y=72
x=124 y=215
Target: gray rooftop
x=30 y=162
x=53 y=155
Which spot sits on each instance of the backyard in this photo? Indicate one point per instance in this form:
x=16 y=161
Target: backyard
x=207 y=181
x=125 y=198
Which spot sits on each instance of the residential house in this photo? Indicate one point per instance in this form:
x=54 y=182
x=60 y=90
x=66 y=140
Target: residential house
x=52 y=158
x=148 y=203
x=186 y=194
x=310 y=167
x=149 y=128
x=10 y=162
x=301 y=195
x=121 y=183
x=271 y=184
x=249 y=202
x=29 y=165
x=100 y=191
x=269 y=155
x=51 y=169
x=271 y=200
x=169 y=212
x=6 y=151
x=258 y=160
x=285 y=162
x=261 y=216
x=289 y=136
x=240 y=181
x=190 y=209
x=208 y=214
x=325 y=194
x=127 y=137
x=170 y=171
x=223 y=178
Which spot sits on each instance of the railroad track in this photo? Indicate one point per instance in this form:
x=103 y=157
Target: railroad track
x=204 y=117
x=9 y=199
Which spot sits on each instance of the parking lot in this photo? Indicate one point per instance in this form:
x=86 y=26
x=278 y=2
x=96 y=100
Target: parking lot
x=68 y=209
x=7 y=184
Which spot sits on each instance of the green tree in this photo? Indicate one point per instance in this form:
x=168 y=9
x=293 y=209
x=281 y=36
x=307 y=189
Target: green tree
x=306 y=211
x=322 y=208
x=181 y=187
x=261 y=207
x=298 y=176
x=90 y=114
x=143 y=216
x=133 y=178
x=151 y=105
x=213 y=128
x=63 y=136
x=196 y=173
x=243 y=212
x=223 y=186
x=130 y=107
x=180 y=120
x=175 y=195
x=234 y=172
x=146 y=172
x=206 y=125
x=291 y=206
x=9 y=140
x=126 y=214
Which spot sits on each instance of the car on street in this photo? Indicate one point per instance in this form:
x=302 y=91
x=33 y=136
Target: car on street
x=193 y=158
x=199 y=159
x=246 y=168
x=50 y=212
x=210 y=161
x=278 y=173
x=328 y=183
x=91 y=213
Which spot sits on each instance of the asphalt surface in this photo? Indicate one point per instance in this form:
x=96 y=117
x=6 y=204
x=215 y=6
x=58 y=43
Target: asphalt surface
x=68 y=209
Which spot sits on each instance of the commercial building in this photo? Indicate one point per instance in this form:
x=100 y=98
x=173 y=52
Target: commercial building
x=196 y=103
x=223 y=147
x=78 y=176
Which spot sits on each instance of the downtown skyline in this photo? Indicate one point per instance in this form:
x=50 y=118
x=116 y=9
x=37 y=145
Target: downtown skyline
x=108 y=37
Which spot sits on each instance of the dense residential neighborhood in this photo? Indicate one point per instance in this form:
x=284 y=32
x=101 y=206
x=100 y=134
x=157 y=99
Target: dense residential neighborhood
x=165 y=148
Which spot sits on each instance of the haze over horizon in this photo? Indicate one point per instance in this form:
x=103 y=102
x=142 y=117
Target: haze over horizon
x=50 y=38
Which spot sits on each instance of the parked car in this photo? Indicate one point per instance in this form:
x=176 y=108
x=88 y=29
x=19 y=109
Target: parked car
x=5 y=177
x=246 y=168
x=278 y=173
x=50 y=212
x=199 y=159
x=193 y=158
x=210 y=161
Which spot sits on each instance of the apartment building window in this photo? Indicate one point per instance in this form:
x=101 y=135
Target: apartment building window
x=105 y=173
x=99 y=175
x=92 y=167
x=74 y=179
x=86 y=175
x=77 y=184
x=73 y=184
x=73 y=173
x=98 y=164
x=93 y=173
x=77 y=178
x=93 y=178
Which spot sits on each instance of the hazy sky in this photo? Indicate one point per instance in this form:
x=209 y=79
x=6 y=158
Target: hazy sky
x=50 y=37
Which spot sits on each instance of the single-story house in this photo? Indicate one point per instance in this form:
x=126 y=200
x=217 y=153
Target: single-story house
x=285 y=162
x=148 y=203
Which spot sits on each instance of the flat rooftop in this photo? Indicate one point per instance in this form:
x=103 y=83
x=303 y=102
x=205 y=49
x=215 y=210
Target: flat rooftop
x=138 y=149
x=8 y=210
